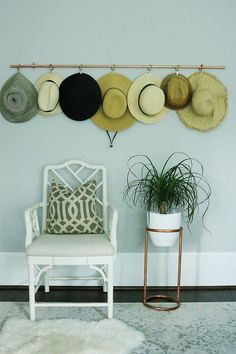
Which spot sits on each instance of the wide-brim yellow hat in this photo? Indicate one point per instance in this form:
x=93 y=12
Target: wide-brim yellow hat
x=113 y=114
x=48 y=94
x=209 y=102
x=146 y=99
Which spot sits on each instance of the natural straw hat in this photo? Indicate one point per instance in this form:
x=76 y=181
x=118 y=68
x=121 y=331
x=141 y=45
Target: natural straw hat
x=177 y=90
x=80 y=96
x=146 y=99
x=48 y=93
x=18 y=99
x=113 y=114
x=209 y=102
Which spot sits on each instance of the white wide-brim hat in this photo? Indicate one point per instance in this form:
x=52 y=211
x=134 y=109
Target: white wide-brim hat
x=209 y=102
x=48 y=94
x=146 y=99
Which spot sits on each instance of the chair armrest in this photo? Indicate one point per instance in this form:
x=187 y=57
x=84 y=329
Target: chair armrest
x=32 y=223
x=112 y=225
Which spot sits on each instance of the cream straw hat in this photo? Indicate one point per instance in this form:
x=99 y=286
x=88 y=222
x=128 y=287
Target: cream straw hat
x=209 y=102
x=48 y=94
x=146 y=99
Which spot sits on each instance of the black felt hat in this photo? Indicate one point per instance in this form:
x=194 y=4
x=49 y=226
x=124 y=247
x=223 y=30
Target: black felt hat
x=80 y=96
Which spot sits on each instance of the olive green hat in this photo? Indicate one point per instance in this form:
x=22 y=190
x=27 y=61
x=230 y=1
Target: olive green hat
x=209 y=102
x=18 y=99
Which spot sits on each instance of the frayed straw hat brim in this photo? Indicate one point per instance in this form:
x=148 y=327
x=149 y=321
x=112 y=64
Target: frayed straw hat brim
x=210 y=83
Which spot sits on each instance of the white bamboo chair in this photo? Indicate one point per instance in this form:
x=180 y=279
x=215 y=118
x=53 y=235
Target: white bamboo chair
x=96 y=251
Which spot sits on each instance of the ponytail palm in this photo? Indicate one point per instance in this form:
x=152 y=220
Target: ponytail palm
x=177 y=186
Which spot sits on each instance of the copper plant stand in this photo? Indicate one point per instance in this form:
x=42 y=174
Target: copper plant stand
x=176 y=299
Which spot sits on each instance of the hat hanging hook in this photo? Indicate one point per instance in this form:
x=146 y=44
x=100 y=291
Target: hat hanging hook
x=113 y=67
x=50 y=67
x=201 y=67
x=149 y=68
x=18 y=67
x=81 y=68
x=177 y=69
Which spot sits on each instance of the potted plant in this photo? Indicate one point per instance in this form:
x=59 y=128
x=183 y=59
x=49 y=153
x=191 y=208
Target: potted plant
x=176 y=189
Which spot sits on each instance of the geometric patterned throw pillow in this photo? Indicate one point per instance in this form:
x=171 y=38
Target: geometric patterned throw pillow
x=73 y=212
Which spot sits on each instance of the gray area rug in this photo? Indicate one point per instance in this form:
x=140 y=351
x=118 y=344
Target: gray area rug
x=194 y=328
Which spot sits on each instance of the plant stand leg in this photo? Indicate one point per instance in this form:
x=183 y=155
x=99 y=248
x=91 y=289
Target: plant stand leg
x=147 y=299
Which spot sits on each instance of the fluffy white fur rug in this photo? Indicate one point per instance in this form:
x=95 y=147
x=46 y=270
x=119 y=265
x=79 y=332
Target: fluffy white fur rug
x=21 y=336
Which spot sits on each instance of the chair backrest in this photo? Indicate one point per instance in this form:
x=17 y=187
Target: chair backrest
x=72 y=174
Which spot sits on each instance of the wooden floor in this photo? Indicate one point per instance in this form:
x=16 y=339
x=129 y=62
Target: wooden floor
x=121 y=294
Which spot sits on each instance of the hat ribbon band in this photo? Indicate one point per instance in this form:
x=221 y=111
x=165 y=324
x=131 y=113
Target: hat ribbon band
x=51 y=110
x=149 y=115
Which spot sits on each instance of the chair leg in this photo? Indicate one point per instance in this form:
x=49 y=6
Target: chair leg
x=104 y=287
x=110 y=290
x=31 y=291
x=104 y=282
x=46 y=282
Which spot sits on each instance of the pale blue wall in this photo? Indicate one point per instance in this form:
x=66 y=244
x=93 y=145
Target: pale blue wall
x=108 y=31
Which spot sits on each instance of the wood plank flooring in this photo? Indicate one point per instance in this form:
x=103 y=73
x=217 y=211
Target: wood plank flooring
x=121 y=294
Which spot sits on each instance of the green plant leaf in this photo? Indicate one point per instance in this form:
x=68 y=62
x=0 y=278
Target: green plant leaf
x=179 y=186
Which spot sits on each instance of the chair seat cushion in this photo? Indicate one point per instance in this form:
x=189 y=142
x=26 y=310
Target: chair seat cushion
x=71 y=245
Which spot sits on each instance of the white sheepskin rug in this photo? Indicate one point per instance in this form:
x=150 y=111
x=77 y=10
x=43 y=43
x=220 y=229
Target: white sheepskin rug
x=22 y=336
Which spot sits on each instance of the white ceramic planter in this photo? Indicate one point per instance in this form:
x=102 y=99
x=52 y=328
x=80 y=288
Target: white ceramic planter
x=163 y=222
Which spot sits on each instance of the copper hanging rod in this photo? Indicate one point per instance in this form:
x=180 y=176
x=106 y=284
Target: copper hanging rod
x=119 y=66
